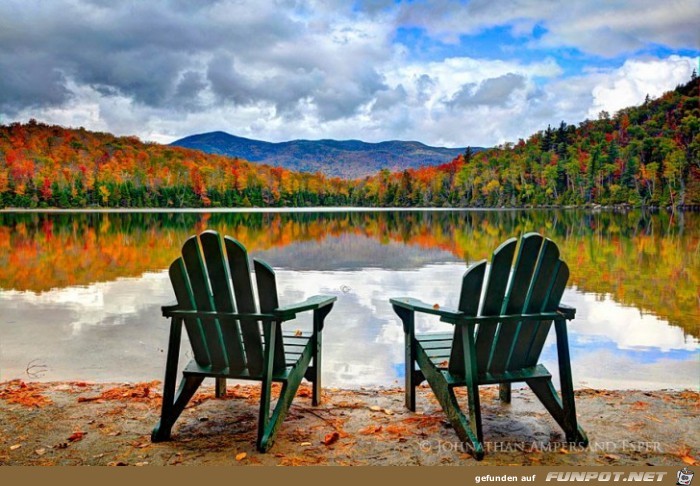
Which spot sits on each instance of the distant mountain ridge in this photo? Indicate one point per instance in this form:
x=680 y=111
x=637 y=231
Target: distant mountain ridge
x=348 y=159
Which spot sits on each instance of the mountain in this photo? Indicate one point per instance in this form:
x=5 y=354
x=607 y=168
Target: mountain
x=348 y=159
x=648 y=155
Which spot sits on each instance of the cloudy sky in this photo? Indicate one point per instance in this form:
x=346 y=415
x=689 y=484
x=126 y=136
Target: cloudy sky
x=444 y=72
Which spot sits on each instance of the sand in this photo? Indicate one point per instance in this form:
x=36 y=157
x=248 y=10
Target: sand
x=75 y=423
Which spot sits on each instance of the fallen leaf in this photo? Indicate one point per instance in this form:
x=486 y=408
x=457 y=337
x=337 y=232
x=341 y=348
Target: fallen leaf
x=388 y=412
x=144 y=463
x=563 y=451
x=301 y=461
x=612 y=457
x=370 y=429
x=691 y=461
x=15 y=447
x=76 y=436
x=346 y=404
x=241 y=455
x=139 y=392
x=639 y=405
x=305 y=444
x=397 y=430
x=40 y=452
x=331 y=438
x=297 y=332
x=17 y=391
x=375 y=408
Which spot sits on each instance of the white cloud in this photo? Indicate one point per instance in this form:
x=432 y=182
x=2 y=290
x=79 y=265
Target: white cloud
x=613 y=28
x=598 y=27
x=637 y=78
x=286 y=70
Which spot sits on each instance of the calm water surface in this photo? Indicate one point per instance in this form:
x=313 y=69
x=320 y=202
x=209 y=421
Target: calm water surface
x=80 y=294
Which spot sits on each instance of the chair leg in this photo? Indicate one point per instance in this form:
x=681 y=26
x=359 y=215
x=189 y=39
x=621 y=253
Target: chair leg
x=545 y=392
x=269 y=425
x=474 y=403
x=504 y=392
x=468 y=429
x=220 y=390
x=319 y=318
x=171 y=411
x=316 y=390
x=573 y=432
x=410 y=366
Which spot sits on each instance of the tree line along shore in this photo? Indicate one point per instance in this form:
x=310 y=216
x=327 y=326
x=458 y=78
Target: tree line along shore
x=643 y=156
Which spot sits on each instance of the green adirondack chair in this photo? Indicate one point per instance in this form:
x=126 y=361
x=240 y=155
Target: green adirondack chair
x=497 y=338
x=231 y=337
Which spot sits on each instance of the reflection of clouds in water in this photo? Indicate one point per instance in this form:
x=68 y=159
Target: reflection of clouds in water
x=74 y=330
x=604 y=319
x=99 y=304
x=607 y=369
x=363 y=337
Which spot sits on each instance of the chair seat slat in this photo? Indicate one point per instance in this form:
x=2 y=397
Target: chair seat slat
x=437 y=336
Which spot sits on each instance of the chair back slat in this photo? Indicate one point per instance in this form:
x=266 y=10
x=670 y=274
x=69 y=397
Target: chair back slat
x=239 y=268
x=267 y=296
x=472 y=283
x=552 y=301
x=185 y=300
x=542 y=280
x=498 y=275
x=515 y=299
x=220 y=281
x=199 y=284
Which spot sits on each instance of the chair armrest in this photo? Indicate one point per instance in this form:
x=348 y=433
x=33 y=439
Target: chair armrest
x=288 y=312
x=197 y=314
x=567 y=311
x=420 y=306
x=284 y=313
x=166 y=309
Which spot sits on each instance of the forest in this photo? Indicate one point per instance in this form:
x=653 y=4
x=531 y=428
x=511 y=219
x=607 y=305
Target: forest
x=644 y=156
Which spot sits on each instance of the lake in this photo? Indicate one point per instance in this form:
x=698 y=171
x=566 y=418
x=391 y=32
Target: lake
x=80 y=292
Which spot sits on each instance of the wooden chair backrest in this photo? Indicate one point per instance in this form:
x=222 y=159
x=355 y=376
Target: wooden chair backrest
x=534 y=283
x=213 y=274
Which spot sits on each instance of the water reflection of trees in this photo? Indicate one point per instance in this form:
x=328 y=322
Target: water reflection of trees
x=651 y=261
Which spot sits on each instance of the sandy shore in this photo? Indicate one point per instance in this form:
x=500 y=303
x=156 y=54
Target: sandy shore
x=73 y=423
